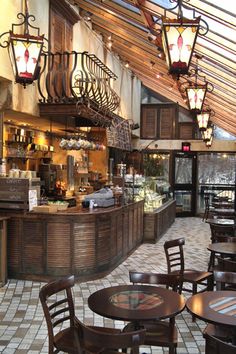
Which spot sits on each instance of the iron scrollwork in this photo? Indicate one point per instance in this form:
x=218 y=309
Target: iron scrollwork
x=81 y=78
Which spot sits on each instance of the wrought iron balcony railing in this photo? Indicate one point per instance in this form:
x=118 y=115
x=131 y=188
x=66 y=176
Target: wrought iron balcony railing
x=79 y=78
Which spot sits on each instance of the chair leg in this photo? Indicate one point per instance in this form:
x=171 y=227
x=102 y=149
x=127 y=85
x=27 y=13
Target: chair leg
x=210 y=283
x=211 y=263
x=172 y=350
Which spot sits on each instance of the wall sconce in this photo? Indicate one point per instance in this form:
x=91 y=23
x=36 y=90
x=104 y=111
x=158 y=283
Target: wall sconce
x=179 y=38
x=24 y=49
x=109 y=42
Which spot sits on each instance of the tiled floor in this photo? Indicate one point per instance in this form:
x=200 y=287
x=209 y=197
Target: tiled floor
x=22 y=326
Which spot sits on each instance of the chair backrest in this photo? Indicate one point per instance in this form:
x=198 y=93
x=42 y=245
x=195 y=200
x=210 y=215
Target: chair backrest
x=219 y=346
x=224 y=280
x=169 y=280
x=58 y=306
x=226 y=265
x=219 y=233
x=175 y=255
x=92 y=338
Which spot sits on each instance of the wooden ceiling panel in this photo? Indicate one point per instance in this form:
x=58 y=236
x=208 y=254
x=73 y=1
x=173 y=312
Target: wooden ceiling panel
x=130 y=32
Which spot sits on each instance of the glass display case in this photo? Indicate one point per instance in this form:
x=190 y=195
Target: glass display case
x=153 y=190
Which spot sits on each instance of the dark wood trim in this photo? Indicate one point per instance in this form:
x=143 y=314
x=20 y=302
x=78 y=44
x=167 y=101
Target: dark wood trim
x=157 y=222
x=66 y=10
x=157 y=132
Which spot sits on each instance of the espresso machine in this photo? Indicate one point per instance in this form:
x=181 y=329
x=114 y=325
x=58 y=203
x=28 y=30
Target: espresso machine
x=48 y=178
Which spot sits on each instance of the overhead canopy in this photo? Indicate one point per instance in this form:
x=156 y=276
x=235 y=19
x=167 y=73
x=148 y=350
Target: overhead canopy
x=132 y=23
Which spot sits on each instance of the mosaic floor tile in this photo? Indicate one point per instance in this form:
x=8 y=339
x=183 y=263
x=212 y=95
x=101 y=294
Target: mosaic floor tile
x=22 y=326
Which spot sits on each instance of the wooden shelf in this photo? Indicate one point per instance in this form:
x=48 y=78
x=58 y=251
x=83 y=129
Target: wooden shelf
x=21 y=157
x=9 y=142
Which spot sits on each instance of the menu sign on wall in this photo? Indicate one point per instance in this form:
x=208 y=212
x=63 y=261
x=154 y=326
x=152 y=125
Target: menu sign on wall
x=119 y=135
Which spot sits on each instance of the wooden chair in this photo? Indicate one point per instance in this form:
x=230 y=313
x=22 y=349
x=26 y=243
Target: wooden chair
x=208 y=208
x=110 y=343
x=172 y=281
x=175 y=265
x=159 y=333
x=224 y=281
x=215 y=345
x=58 y=307
x=226 y=264
x=220 y=231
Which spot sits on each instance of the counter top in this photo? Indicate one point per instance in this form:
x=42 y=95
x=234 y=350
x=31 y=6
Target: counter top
x=79 y=210
x=72 y=211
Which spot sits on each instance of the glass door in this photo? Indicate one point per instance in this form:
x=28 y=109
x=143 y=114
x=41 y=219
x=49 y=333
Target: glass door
x=185 y=183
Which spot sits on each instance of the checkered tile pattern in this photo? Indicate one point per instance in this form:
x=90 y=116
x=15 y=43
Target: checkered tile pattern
x=22 y=325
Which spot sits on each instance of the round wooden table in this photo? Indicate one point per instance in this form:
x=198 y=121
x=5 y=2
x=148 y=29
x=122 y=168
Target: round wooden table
x=216 y=307
x=223 y=248
x=136 y=302
x=224 y=222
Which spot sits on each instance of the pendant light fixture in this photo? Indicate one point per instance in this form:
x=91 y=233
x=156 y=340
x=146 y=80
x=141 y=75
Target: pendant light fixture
x=24 y=48
x=178 y=38
x=208 y=133
x=209 y=142
x=203 y=118
x=195 y=88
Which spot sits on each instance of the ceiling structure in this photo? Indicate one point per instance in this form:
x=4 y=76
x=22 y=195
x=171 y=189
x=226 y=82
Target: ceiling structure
x=132 y=24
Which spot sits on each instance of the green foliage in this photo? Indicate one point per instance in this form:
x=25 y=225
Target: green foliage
x=152 y=167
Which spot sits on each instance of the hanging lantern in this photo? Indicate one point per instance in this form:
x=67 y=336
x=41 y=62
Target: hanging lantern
x=196 y=96
x=209 y=142
x=203 y=118
x=207 y=134
x=178 y=38
x=24 y=49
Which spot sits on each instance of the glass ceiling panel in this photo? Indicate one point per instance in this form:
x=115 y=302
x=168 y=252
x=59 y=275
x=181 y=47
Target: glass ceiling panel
x=164 y=3
x=214 y=25
x=127 y=6
x=216 y=48
x=224 y=5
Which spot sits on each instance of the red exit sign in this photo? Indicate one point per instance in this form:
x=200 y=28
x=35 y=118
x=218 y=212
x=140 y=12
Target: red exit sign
x=186 y=147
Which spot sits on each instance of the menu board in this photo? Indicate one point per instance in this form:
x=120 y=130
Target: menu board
x=119 y=134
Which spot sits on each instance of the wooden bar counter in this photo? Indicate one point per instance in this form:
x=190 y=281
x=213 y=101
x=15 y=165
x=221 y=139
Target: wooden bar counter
x=88 y=244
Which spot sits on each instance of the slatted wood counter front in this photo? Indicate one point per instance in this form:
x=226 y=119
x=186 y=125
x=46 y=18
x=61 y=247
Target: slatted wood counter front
x=87 y=244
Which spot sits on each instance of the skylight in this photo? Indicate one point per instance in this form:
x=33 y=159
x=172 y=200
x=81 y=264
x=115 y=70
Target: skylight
x=127 y=6
x=226 y=5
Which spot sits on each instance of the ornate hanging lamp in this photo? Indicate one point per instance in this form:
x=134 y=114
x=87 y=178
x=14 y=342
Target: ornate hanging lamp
x=209 y=142
x=179 y=38
x=195 y=90
x=24 y=48
x=208 y=133
x=203 y=118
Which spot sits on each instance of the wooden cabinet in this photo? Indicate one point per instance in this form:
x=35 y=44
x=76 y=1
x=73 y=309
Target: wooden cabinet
x=3 y=251
x=156 y=223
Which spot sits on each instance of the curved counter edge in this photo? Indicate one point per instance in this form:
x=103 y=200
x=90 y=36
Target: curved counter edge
x=157 y=222
x=44 y=246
